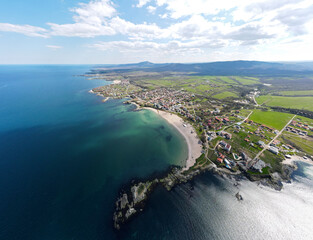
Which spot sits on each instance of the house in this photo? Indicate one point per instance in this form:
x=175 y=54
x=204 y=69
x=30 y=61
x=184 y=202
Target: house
x=220 y=160
x=261 y=144
x=226 y=161
x=273 y=150
x=218 y=119
x=224 y=134
x=227 y=147
x=258 y=165
x=244 y=156
x=227 y=135
x=223 y=144
x=225 y=120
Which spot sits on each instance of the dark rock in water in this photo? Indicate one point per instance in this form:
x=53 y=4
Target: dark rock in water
x=272 y=183
x=132 y=202
x=239 y=197
x=287 y=171
x=236 y=184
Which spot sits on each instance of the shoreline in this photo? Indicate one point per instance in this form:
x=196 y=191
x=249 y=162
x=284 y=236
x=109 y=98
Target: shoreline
x=291 y=161
x=188 y=133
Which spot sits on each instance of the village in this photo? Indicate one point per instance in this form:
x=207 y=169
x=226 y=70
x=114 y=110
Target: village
x=230 y=139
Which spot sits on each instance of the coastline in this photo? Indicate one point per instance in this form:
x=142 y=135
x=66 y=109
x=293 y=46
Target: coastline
x=291 y=161
x=187 y=131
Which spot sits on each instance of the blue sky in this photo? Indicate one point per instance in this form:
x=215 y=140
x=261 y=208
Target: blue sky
x=104 y=31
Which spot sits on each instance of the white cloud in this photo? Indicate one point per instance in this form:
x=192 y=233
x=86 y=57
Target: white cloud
x=80 y=30
x=27 y=30
x=94 y=12
x=171 y=46
x=196 y=27
x=132 y=30
x=142 y=3
x=188 y=26
x=54 y=47
x=90 y=20
x=183 y=8
x=296 y=19
x=151 y=9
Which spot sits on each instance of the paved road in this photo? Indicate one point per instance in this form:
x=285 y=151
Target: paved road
x=228 y=127
x=267 y=146
x=238 y=122
x=256 y=103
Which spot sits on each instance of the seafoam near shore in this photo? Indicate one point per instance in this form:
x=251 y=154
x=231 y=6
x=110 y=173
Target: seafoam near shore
x=188 y=132
x=293 y=159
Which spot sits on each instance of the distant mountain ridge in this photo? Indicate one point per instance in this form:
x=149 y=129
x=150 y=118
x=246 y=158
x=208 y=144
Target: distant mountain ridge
x=239 y=67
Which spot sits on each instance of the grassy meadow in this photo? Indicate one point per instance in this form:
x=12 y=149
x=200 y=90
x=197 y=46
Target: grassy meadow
x=272 y=119
x=286 y=102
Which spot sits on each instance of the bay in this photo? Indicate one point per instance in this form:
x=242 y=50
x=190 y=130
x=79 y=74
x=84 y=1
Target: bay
x=64 y=155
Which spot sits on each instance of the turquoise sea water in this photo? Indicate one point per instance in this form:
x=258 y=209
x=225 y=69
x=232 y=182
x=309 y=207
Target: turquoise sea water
x=64 y=155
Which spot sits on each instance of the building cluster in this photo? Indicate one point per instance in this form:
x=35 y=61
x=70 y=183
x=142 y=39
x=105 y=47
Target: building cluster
x=228 y=162
x=299 y=128
x=224 y=134
x=120 y=90
x=216 y=123
x=260 y=131
x=242 y=160
x=301 y=125
x=171 y=100
x=255 y=165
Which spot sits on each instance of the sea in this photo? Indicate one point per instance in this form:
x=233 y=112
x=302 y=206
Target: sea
x=65 y=155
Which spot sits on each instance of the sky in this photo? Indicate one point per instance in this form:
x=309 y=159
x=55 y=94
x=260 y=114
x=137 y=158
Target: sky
x=127 y=31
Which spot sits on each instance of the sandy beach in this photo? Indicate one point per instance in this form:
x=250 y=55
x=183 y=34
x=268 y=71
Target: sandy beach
x=294 y=158
x=188 y=132
x=116 y=81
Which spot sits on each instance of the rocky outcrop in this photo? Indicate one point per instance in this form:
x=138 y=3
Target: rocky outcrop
x=238 y=196
x=132 y=202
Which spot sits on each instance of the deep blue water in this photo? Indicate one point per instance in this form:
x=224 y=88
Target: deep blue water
x=64 y=155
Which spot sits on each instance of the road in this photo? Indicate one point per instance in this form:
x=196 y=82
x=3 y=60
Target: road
x=238 y=122
x=256 y=103
x=228 y=127
x=267 y=146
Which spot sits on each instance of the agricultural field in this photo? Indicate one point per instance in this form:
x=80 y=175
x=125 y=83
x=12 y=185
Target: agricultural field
x=225 y=94
x=247 y=80
x=271 y=119
x=296 y=93
x=305 y=103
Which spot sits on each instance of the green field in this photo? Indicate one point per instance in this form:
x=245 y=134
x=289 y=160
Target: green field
x=297 y=93
x=286 y=102
x=225 y=95
x=301 y=143
x=305 y=120
x=272 y=119
x=247 y=81
x=228 y=80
